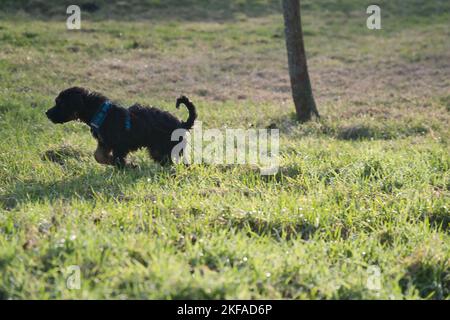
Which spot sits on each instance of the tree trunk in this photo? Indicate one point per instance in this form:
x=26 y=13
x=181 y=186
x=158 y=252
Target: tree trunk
x=298 y=70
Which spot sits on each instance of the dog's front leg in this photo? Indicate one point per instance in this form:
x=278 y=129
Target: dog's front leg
x=103 y=155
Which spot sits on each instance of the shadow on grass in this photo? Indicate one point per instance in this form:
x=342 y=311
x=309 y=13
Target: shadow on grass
x=430 y=279
x=207 y=10
x=62 y=154
x=152 y=10
x=279 y=230
x=93 y=185
x=438 y=218
x=359 y=130
x=367 y=132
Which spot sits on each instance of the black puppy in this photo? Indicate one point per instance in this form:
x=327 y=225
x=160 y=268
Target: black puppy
x=119 y=130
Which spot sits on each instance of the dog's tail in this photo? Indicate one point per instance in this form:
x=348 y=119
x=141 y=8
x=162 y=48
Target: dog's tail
x=192 y=112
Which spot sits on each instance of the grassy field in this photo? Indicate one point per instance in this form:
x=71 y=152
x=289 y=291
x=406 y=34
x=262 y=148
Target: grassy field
x=367 y=186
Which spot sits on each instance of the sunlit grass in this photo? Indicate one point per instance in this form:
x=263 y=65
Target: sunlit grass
x=366 y=186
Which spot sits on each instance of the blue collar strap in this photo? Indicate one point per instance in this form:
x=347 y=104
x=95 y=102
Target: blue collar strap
x=100 y=116
x=128 y=121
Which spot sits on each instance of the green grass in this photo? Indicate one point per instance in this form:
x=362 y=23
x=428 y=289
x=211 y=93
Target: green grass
x=368 y=185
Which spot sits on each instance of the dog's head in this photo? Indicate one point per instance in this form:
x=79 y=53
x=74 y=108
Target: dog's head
x=69 y=104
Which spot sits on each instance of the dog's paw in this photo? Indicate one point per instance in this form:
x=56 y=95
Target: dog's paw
x=182 y=100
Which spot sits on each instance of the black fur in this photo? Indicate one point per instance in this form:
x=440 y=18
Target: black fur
x=150 y=127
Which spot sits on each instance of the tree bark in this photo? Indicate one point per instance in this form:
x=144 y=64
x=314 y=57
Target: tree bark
x=305 y=105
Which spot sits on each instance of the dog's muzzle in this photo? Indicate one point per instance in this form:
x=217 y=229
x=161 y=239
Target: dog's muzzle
x=51 y=114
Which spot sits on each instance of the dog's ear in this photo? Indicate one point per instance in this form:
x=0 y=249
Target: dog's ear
x=76 y=101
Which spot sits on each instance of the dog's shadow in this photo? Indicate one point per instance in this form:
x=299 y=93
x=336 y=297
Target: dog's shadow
x=90 y=186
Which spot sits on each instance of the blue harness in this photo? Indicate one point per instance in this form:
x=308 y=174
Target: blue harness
x=99 y=119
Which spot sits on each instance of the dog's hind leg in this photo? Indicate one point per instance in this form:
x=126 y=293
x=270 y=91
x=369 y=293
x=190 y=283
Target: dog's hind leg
x=163 y=158
x=103 y=155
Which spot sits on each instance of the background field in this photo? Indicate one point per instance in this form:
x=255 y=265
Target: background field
x=366 y=186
